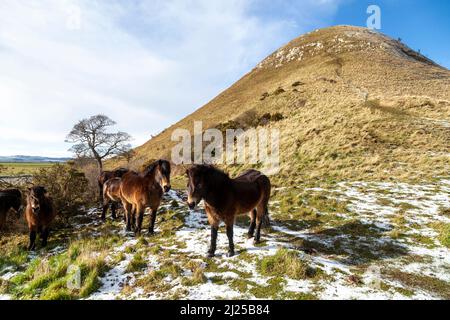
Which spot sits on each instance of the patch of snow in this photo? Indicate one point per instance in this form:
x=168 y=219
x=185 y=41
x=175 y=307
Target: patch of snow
x=114 y=279
x=211 y=290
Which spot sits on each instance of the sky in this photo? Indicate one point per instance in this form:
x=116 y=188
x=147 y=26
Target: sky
x=147 y=64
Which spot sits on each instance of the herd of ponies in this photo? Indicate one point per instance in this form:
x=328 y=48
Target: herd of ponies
x=224 y=198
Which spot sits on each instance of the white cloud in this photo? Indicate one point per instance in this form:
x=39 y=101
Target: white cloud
x=145 y=64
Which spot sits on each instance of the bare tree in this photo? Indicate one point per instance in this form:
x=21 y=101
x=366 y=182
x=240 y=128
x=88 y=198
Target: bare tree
x=93 y=141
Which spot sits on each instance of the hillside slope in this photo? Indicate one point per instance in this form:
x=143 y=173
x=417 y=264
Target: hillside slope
x=356 y=104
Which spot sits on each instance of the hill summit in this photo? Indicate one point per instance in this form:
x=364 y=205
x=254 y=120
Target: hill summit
x=350 y=103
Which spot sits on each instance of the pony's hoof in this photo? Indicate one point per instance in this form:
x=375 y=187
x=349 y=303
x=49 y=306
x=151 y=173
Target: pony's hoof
x=256 y=242
x=230 y=254
x=249 y=236
x=210 y=255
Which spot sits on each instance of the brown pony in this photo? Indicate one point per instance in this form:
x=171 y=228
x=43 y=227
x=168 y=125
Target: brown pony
x=224 y=198
x=141 y=190
x=111 y=196
x=9 y=199
x=105 y=176
x=39 y=213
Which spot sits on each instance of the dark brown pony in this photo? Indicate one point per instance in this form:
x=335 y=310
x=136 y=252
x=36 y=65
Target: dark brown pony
x=111 y=196
x=39 y=214
x=9 y=199
x=141 y=190
x=224 y=198
x=105 y=176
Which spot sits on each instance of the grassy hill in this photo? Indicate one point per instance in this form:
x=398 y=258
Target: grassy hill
x=356 y=104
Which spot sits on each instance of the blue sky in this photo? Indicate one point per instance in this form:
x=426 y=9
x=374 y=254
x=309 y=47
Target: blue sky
x=147 y=64
x=421 y=24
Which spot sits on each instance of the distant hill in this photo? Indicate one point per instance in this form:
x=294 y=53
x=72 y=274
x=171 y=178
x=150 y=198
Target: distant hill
x=21 y=158
x=355 y=104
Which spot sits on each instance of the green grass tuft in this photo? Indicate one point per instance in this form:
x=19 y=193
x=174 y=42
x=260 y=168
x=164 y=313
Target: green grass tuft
x=137 y=263
x=444 y=235
x=285 y=263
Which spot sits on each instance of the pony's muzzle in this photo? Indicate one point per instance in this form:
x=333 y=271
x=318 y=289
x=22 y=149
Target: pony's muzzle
x=191 y=205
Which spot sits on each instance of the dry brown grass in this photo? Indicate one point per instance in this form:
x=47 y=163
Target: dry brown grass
x=351 y=110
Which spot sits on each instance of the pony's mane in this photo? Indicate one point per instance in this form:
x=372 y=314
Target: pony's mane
x=212 y=171
x=150 y=168
x=39 y=191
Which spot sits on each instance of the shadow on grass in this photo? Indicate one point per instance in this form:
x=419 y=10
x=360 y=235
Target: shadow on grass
x=354 y=242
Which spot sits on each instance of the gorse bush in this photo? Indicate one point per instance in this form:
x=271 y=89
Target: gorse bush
x=278 y=91
x=247 y=119
x=68 y=188
x=91 y=174
x=250 y=119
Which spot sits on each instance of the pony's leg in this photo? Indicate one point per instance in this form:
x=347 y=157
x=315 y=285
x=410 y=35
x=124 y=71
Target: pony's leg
x=128 y=214
x=113 y=209
x=44 y=236
x=2 y=219
x=124 y=214
x=251 y=229
x=152 y=220
x=212 y=248
x=41 y=234
x=139 y=218
x=104 y=209
x=100 y=188
x=133 y=217
x=260 y=211
x=258 y=231
x=230 y=239
x=32 y=244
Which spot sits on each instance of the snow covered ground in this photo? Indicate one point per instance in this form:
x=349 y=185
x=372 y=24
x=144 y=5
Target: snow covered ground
x=383 y=246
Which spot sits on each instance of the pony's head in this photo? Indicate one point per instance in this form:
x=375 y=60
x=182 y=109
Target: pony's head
x=161 y=169
x=164 y=171
x=203 y=178
x=35 y=198
x=195 y=185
